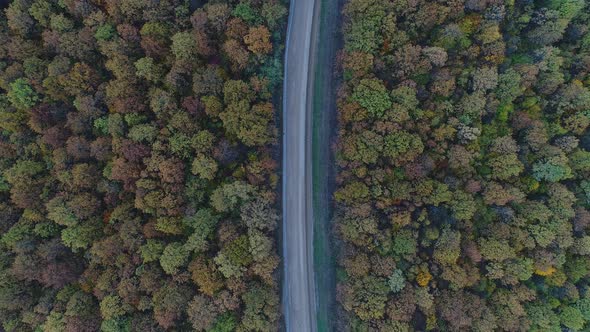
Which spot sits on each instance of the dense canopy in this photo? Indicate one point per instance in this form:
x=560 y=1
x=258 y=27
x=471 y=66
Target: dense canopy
x=138 y=172
x=463 y=154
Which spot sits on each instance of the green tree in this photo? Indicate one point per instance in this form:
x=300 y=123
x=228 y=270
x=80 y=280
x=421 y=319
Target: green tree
x=143 y=133
x=403 y=146
x=496 y=250
x=372 y=95
x=366 y=297
x=571 y=317
x=41 y=11
x=448 y=247
x=362 y=31
x=245 y=11
x=81 y=236
x=22 y=95
x=111 y=307
x=229 y=196
x=224 y=323
x=151 y=250
x=505 y=166
x=105 y=32
x=173 y=257
x=355 y=191
x=149 y=69
x=273 y=13
x=404 y=243
x=184 y=46
x=261 y=309
x=396 y=281
x=552 y=169
x=58 y=212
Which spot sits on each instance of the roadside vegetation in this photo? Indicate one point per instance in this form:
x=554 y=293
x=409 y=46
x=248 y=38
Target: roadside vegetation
x=464 y=159
x=138 y=165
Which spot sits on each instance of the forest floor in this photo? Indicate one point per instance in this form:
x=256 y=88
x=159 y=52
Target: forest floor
x=324 y=84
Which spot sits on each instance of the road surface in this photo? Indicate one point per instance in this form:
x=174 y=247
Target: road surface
x=299 y=305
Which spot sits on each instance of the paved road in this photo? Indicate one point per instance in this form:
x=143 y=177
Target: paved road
x=298 y=284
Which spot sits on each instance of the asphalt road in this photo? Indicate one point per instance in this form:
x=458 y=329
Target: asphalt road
x=299 y=305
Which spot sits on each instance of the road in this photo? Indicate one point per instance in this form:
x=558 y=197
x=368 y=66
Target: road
x=299 y=303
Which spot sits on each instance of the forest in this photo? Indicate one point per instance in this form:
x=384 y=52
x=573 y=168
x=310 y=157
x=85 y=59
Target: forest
x=138 y=165
x=463 y=189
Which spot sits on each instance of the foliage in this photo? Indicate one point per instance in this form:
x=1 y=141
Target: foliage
x=396 y=281
x=22 y=95
x=138 y=165
x=372 y=95
x=462 y=160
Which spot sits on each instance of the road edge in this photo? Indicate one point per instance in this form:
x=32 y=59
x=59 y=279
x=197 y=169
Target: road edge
x=324 y=124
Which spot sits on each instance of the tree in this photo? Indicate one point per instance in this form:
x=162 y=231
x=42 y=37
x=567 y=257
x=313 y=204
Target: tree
x=205 y=274
x=237 y=53
x=261 y=308
x=571 y=317
x=229 y=196
x=251 y=125
x=169 y=303
x=111 y=307
x=366 y=297
x=358 y=230
x=18 y=18
x=509 y=86
x=396 y=281
x=366 y=147
x=362 y=26
x=447 y=247
x=173 y=257
x=245 y=11
x=462 y=310
x=402 y=146
x=227 y=267
x=355 y=191
x=79 y=237
x=224 y=323
x=22 y=95
x=258 y=40
x=495 y=250
x=484 y=78
x=152 y=250
x=202 y=313
x=404 y=243
x=184 y=46
x=373 y=96
x=273 y=13
x=59 y=213
x=105 y=32
x=505 y=166
x=259 y=214
x=552 y=169
x=149 y=69
x=542 y=317
x=401 y=306
x=26 y=182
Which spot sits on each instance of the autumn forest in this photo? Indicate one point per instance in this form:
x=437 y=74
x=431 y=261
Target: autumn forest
x=140 y=165
x=464 y=157
x=139 y=173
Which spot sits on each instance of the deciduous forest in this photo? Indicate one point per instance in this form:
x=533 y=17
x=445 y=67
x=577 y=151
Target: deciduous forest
x=138 y=165
x=464 y=166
